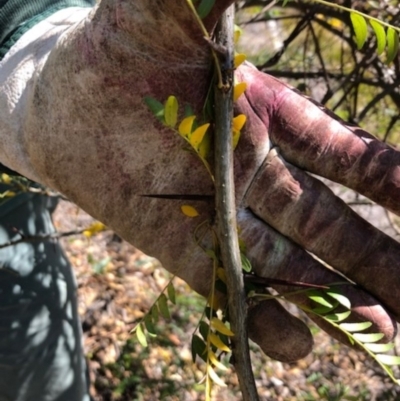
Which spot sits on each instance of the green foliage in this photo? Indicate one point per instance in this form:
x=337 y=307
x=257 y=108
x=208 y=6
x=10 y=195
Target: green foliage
x=205 y=7
x=354 y=331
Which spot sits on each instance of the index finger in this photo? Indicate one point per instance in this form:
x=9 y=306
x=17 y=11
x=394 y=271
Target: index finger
x=314 y=139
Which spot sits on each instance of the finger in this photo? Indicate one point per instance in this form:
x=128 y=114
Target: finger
x=304 y=209
x=273 y=255
x=279 y=334
x=314 y=139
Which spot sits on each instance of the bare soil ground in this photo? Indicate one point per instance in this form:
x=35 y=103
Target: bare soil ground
x=117 y=285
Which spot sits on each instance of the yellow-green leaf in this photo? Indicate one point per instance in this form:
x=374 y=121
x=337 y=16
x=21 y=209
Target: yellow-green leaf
x=220 y=326
x=93 y=229
x=205 y=147
x=380 y=36
x=343 y=300
x=388 y=359
x=141 y=336
x=392 y=38
x=360 y=29
x=189 y=211
x=355 y=327
x=237 y=33
x=238 y=90
x=5 y=178
x=214 y=377
x=171 y=111
x=239 y=59
x=213 y=359
x=221 y=274
x=218 y=342
x=379 y=347
x=198 y=134
x=368 y=338
x=238 y=122
x=185 y=127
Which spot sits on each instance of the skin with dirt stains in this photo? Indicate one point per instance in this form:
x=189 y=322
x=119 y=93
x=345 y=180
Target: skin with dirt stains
x=80 y=126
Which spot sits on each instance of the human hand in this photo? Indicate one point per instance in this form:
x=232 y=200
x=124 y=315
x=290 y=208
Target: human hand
x=87 y=133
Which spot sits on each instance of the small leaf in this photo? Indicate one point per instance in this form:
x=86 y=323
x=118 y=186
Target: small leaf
x=94 y=228
x=204 y=329
x=141 y=336
x=360 y=29
x=323 y=310
x=199 y=348
x=189 y=211
x=204 y=8
x=171 y=111
x=392 y=38
x=214 y=377
x=238 y=122
x=380 y=36
x=185 y=127
x=221 y=274
x=238 y=90
x=338 y=317
x=198 y=134
x=246 y=264
x=355 y=327
x=171 y=293
x=148 y=322
x=340 y=298
x=154 y=313
x=239 y=59
x=213 y=359
x=220 y=326
x=5 y=178
x=205 y=147
x=155 y=107
x=163 y=305
x=218 y=342
x=237 y=33
x=320 y=298
x=388 y=359
x=368 y=338
x=379 y=347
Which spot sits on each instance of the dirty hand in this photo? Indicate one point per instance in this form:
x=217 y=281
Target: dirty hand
x=80 y=126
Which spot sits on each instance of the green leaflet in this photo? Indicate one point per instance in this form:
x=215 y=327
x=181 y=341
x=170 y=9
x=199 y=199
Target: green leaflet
x=246 y=264
x=163 y=306
x=368 y=338
x=148 y=322
x=360 y=29
x=333 y=293
x=141 y=336
x=380 y=36
x=205 y=7
x=171 y=293
x=204 y=329
x=338 y=317
x=155 y=107
x=392 y=38
x=171 y=111
x=375 y=348
x=355 y=327
x=199 y=348
x=388 y=359
x=321 y=299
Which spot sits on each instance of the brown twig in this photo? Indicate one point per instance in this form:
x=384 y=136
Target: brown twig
x=226 y=213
